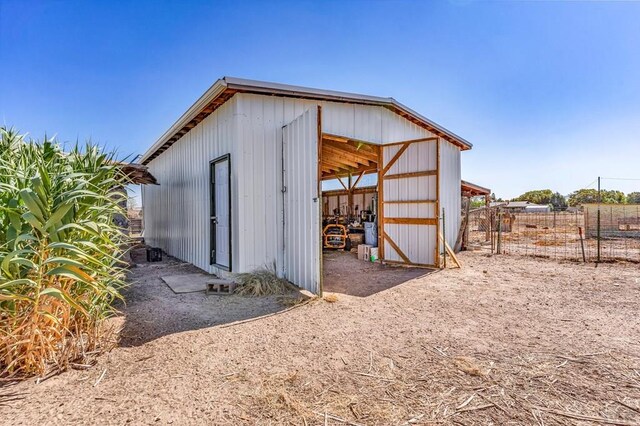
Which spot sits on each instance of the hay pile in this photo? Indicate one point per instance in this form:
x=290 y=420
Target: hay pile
x=262 y=282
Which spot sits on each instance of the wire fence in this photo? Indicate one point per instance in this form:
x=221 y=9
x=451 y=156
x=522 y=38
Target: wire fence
x=582 y=235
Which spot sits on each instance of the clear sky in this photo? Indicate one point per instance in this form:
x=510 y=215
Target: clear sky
x=548 y=92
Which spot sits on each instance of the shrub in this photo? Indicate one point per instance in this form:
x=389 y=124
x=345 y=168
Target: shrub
x=60 y=251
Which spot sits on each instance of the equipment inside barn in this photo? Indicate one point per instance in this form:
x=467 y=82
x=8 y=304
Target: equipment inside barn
x=335 y=236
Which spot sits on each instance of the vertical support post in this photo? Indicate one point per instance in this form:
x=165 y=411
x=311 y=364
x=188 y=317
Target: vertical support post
x=598 y=225
x=487 y=206
x=444 y=235
x=499 y=245
x=437 y=206
x=584 y=257
x=380 y=207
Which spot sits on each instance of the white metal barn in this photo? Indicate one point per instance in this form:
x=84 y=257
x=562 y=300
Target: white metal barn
x=240 y=178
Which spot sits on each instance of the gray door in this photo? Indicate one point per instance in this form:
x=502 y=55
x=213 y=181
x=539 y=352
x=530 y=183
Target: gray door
x=301 y=201
x=220 y=173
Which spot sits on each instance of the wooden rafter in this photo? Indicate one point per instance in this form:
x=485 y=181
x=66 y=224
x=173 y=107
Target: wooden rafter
x=362 y=150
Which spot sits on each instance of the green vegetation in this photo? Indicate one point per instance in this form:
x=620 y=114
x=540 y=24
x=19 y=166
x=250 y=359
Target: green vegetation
x=633 y=198
x=541 y=196
x=585 y=196
x=576 y=198
x=60 y=252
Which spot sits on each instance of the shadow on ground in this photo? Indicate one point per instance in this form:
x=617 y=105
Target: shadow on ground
x=152 y=310
x=344 y=273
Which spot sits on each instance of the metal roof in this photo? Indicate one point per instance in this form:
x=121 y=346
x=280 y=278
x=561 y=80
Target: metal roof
x=224 y=89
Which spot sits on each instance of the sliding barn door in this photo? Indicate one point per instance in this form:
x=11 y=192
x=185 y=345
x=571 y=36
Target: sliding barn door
x=409 y=193
x=301 y=201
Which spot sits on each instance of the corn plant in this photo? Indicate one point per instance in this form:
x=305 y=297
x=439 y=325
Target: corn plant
x=60 y=251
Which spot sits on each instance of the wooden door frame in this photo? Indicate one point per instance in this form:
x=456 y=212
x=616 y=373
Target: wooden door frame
x=382 y=172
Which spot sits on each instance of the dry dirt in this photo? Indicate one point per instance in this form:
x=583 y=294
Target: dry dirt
x=505 y=340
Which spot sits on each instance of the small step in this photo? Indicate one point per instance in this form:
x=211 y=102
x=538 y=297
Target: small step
x=220 y=287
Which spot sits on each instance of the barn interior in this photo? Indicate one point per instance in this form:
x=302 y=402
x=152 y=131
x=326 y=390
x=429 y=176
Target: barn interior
x=350 y=220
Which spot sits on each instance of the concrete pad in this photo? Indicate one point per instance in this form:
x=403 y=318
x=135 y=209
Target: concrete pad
x=189 y=283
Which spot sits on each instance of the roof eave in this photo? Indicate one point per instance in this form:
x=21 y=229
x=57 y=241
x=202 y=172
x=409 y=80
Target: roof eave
x=213 y=92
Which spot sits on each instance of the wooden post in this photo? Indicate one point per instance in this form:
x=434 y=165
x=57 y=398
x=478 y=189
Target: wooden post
x=584 y=258
x=499 y=245
x=444 y=236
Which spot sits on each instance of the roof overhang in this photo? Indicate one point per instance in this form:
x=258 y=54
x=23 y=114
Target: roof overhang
x=472 y=190
x=224 y=89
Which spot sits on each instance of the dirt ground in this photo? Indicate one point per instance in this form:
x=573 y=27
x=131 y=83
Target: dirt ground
x=344 y=273
x=505 y=340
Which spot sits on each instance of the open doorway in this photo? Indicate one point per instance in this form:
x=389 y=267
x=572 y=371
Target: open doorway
x=352 y=179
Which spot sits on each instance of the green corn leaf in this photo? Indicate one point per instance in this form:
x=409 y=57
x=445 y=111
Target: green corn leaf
x=73 y=272
x=64 y=296
x=29 y=200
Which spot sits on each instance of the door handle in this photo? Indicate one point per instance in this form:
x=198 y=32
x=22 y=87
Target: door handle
x=214 y=220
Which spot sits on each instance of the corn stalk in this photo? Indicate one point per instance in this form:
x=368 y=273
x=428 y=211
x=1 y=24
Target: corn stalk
x=60 y=251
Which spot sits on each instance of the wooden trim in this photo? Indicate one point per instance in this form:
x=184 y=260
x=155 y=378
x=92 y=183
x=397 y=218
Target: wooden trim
x=411 y=221
x=394 y=159
x=395 y=247
x=428 y=139
x=411 y=202
x=413 y=265
x=380 y=151
x=412 y=174
x=437 y=242
x=338 y=192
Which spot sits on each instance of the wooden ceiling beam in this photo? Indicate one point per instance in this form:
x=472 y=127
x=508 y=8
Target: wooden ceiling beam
x=329 y=151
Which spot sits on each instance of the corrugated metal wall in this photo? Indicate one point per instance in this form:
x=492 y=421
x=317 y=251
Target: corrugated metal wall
x=250 y=128
x=260 y=123
x=302 y=201
x=450 y=191
x=176 y=212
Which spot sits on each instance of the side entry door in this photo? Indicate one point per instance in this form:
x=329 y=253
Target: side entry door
x=220 y=217
x=302 y=201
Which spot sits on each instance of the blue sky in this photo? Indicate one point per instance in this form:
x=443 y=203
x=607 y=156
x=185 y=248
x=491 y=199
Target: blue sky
x=548 y=92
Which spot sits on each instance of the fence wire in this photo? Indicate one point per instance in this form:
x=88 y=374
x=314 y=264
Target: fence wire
x=561 y=235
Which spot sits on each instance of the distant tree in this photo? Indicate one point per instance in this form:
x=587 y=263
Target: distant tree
x=633 y=198
x=477 y=202
x=540 y=196
x=558 y=201
x=494 y=199
x=585 y=196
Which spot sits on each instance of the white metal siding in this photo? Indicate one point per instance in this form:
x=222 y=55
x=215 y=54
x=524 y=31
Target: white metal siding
x=301 y=201
x=249 y=127
x=260 y=123
x=176 y=212
x=450 y=191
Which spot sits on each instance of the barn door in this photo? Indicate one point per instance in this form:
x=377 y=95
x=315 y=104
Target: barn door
x=301 y=201
x=408 y=185
x=220 y=217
